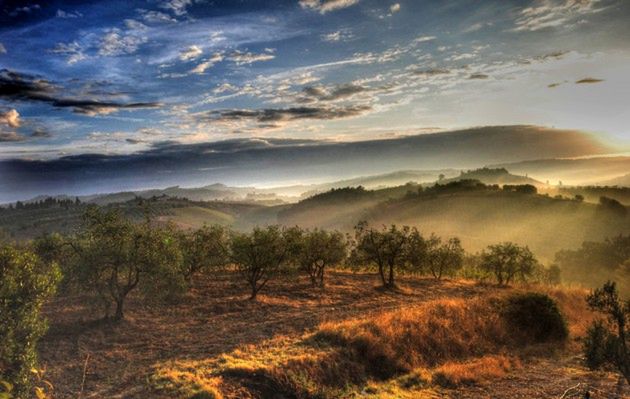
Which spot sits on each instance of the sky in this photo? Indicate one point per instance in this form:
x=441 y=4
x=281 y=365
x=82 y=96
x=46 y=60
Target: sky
x=127 y=77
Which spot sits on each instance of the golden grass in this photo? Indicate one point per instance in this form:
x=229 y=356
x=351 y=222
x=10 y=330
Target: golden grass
x=476 y=371
x=399 y=353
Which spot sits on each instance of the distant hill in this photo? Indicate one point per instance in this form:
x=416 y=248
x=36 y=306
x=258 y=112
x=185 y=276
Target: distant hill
x=478 y=215
x=268 y=196
x=582 y=171
x=621 y=181
x=499 y=176
x=274 y=161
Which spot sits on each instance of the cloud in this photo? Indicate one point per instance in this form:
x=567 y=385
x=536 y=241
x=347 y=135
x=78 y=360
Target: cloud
x=431 y=72
x=423 y=39
x=478 y=76
x=177 y=7
x=208 y=63
x=284 y=114
x=72 y=50
x=116 y=42
x=544 y=14
x=324 y=6
x=553 y=85
x=41 y=133
x=394 y=8
x=477 y=27
x=339 y=92
x=10 y=136
x=190 y=53
x=66 y=15
x=132 y=24
x=16 y=86
x=11 y=118
x=553 y=56
x=243 y=58
x=589 y=80
x=25 y=10
x=3 y=50
x=155 y=17
x=134 y=141
x=337 y=36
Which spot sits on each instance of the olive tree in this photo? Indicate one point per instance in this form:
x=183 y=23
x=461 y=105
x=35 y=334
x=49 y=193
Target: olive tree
x=444 y=258
x=318 y=249
x=386 y=248
x=25 y=284
x=115 y=256
x=203 y=249
x=261 y=254
x=508 y=261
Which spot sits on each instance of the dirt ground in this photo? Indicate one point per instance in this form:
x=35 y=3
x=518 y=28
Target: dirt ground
x=84 y=358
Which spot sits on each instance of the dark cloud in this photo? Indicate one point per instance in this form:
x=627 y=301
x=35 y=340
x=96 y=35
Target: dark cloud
x=553 y=85
x=556 y=55
x=589 y=80
x=431 y=72
x=41 y=133
x=285 y=114
x=478 y=76
x=316 y=93
x=16 y=86
x=10 y=136
x=134 y=141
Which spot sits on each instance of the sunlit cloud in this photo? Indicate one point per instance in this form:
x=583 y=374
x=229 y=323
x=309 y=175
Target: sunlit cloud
x=324 y=6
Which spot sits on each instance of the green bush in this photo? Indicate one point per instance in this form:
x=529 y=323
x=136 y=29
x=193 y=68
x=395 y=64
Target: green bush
x=25 y=284
x=534 y=317
x=599 y=346
x=606 y=343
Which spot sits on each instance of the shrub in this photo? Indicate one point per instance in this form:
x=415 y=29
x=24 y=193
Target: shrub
x=606 y=344
x=535 y=317
x=25 y=284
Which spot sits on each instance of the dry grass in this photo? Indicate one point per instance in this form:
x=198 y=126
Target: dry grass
x=296 y=340
x=438 y=343
x=476 y=371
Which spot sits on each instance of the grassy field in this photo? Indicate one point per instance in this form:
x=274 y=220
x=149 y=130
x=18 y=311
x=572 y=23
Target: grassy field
x=431 y=339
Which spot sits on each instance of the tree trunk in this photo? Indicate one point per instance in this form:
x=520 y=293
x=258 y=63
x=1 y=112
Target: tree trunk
x=382 y=273
x=321 y=278
x=254 y=294
x=391 y=277
x=119 y=315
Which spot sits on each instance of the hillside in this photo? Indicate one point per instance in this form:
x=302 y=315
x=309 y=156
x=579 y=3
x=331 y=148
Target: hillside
x=622 y=181
x=499 y=176
x=479 y=216
x=32 y=221
x=571 y=171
